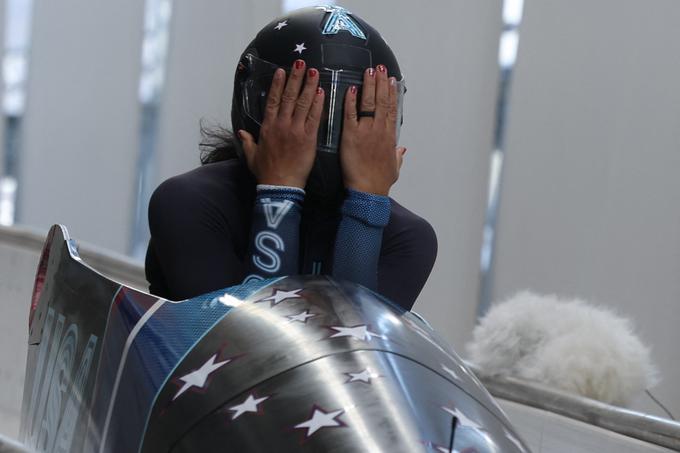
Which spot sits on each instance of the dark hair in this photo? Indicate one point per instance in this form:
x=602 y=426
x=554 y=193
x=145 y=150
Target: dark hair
x=218 y=143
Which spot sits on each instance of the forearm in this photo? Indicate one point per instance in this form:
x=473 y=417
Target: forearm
x=359 y=238
x=275 y=232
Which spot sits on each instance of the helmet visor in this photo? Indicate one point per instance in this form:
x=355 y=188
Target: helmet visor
x=335 y=83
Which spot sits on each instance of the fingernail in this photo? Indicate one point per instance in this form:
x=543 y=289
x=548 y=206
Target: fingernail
x=353 y=89
x=299 y=64
x=393 y=81
x=279 y=73
x=312 y=72
x=240 y=134
x=319 y=90
x=371 y=72
x=404 y=153
x=382 y=68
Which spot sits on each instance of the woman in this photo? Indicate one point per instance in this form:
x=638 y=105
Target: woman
x=304 y=189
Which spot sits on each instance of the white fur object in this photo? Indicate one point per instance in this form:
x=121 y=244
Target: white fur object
x=564 y=343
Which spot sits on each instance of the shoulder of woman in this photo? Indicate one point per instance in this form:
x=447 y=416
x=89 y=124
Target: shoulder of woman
x=410 y=227
x=220 y=182
x=404 y=218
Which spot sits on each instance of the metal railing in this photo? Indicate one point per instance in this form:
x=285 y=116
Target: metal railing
x=645 y=427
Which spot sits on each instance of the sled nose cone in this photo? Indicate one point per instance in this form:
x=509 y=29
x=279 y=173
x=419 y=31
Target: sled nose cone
x=309 y=364
x=354 y=401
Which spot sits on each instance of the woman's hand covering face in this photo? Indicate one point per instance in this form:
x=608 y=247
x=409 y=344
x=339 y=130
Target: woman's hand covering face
x=285 y=151
x=369 y=155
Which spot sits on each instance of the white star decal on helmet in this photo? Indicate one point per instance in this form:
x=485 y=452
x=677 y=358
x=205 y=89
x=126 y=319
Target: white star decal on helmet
x=299 y=48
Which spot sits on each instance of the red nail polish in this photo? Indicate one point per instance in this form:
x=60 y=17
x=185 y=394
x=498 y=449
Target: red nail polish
x=353 y=89
x=371 y=72
x=312 y=72
x=382 y=68
x=299 y=64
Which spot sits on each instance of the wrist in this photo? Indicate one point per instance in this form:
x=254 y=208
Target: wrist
x=266 y=188
x=371 y=209
x=281 y=181
x=374 y=189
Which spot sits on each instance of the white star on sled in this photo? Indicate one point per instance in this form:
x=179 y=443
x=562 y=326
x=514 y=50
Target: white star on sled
x=363 y=376
x=301 y=317
x=249 y=405
x=198 y=377
x=279 y=296
x=462 y=419
x=319 y=420
x=280 y=25
x=359 y=332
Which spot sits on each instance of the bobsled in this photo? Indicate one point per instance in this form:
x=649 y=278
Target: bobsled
x=300 y=363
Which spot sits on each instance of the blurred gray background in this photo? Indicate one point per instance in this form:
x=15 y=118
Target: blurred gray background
x=543 y=137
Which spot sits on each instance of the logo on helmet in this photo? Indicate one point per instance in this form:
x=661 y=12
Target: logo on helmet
x=340 y=20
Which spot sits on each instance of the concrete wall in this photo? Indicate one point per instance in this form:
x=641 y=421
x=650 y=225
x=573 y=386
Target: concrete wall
x=80 y=131
x=3 y=15
x=589 y=205
x=15 y=298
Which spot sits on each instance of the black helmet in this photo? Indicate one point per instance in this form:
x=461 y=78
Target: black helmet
x=341 y=46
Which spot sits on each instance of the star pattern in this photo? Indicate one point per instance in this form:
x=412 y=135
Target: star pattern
x=363 y=376
x=321 y=419
x=198 y=377
x=359 y=332
x=249 y=405
x=301 y=317
x=450 y=371
x=299 y=48
x=280 y=25
x=279 y=296
x=462 y=419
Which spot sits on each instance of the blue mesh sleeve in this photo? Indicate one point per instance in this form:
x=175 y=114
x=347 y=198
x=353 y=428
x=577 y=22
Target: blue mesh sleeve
x=359 y=238
x=275 y=232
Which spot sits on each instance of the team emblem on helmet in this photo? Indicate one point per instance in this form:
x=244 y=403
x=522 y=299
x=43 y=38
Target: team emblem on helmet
x=340 y=20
